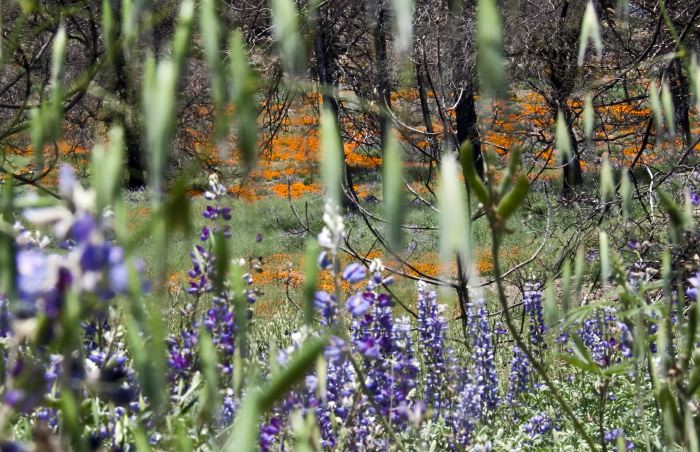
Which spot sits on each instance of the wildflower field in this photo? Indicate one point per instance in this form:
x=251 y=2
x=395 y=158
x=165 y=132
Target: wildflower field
x=378 y=225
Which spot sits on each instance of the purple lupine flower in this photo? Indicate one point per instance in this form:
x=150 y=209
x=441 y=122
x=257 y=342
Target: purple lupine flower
x=538 y=424
x=229 y=406
x=82 y=228
x=66 y=180
x=359 y=304
x=467 y=412
x=519 y=375
x=611 y=436
x=354 y=273
x=692 y=290
x=35 y=274
x=482 y=354
x=268 y=433
x=369 y=347
x=325 y=304
x=591 y=334
x=404 y=369
x=695 y=198
x=204 y=236
x=626 y=339
x=432 y=329
x=532 y=303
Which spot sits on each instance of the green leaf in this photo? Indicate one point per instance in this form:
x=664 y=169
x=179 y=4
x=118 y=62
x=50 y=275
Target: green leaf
x=310 y=279
x=46 y=120
x=243 y=97
x=694 y=76
x=70 y=417
x=183 y=33
x=579 y=363
x=579 y=267
x=211 y=34
x=222 y=261
x=514 y=198
x=667 y=104
x=285 y=27
x=240 y=308
x=159 y=111
x=583 y=356
x=244 y=436
x=403 y=24
x=108 y=30
x=293 y=373
x=656 y=109
x=626 y=194
x=332 y=152
x=511 y=169
x=129 y=22
x=454 y=226
x=106 y=171
x=551 y=310
x=674 y=212
x=604 y=257
x=607 y=181
x=566 y=286
x=393 y=190
x=590 y=31
x=470 y=176
x=588 y=117
x=208 y=396
x=7 y=247
x=490 y=61
x=562 y=138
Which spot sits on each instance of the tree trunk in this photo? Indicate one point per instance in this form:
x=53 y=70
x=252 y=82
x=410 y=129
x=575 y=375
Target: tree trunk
x=467 y=127
x=680 y=92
